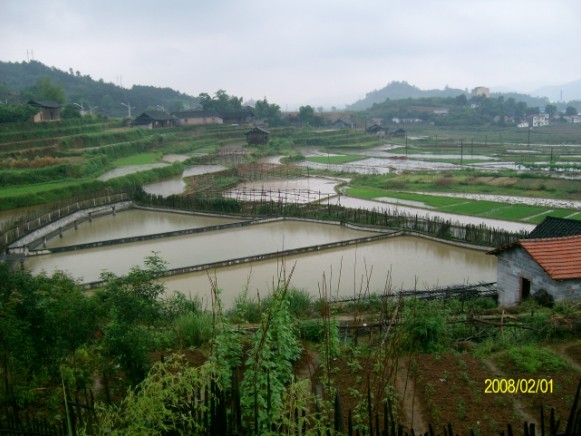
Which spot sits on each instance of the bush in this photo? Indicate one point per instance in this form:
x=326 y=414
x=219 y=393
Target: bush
x=543 y=298
x=194 y=328
x=424 y=326
x=246 y=310
x=311 y=330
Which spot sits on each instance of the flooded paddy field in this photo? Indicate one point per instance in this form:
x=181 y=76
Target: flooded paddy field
x=133 y=222
x=177 y=185
x=299 y=190
x=197 y=249
x=395 y=263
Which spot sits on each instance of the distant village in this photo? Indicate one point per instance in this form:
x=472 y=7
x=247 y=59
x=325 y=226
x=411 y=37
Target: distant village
x=49 y=110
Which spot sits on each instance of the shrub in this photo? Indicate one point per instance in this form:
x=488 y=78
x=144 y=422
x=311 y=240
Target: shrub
x=194 y=328
x=424 y=327
x=543 y=298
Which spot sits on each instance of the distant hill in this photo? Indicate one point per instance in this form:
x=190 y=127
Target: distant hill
x=399 y=91
x=16 y=78
x=570 y=91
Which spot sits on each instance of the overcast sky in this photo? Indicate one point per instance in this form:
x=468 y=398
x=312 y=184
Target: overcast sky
x=318 y=52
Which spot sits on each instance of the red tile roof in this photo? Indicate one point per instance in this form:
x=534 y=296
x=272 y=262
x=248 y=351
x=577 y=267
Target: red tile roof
x=559 y=257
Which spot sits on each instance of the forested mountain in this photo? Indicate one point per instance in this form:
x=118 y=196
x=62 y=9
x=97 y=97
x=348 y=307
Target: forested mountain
x=17 y=81
x=403 y=90
x=399 y=91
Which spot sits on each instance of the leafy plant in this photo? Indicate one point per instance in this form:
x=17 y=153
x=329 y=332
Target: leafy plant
x=424 y=326
x=531 y=359
x=273 y=348
x=167 y=401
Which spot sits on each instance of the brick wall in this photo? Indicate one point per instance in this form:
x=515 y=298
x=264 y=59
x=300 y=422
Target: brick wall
x=515 y=264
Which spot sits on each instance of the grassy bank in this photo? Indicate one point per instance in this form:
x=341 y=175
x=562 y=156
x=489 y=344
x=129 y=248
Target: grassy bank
x=485 y=209
x=476 y=182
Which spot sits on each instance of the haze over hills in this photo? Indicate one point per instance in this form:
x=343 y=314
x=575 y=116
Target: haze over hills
x=567 y=92
x=16 y=78
x=403 y=90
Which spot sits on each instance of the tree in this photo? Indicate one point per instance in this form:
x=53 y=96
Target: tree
x=16 y=113
x=306 y=115
x=268 y=112
x=178 y=106
x=221 y=102
x=571 y=111
x=43 y=320
x=70 y=111
x=551 y=110
x=44 y=89
x=461 y=100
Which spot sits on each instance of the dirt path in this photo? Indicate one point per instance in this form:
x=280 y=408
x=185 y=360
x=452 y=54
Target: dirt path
x=518 y=406
x=561 y=349
x=413 y=413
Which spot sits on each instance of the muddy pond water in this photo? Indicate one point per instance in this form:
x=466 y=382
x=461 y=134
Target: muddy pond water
x=134 y=222
x=196 y=249
x=176 y=185
x=391 y=264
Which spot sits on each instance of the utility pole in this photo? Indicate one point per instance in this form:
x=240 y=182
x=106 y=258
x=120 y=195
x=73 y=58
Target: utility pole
x=128 y=106
x=472 y=148
x=461 y=152
x=406 y=145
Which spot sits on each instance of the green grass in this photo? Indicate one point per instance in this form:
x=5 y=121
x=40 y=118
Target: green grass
x=138 y=159
x=37 y=188
x=531 y=359
x=487 y=209
x=334 y=159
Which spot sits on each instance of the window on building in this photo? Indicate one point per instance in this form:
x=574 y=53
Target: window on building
x=525 y=288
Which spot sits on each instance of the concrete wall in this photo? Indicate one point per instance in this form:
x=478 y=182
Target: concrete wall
x=34 y=238
x=515 y=264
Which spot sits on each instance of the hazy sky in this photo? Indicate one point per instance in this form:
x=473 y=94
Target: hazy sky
x=319 y=52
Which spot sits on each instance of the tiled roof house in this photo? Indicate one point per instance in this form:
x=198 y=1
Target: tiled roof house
x=154 y=120
x=48 y=110
x=549 y=261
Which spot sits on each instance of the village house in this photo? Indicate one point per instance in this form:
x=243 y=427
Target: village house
x=197 y=118
x=342 y=124
x=257 y=136
x=548 y=261
x=376 y=129
x=481 y=91
x=399 y=133
x=538 y=120
x=238 y=117
x=572 y=119
x=48 y=110
x=397 y=120
x=154 y=120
